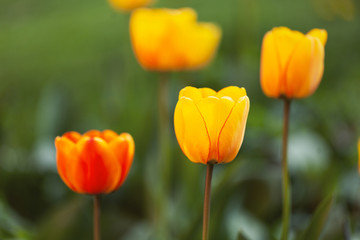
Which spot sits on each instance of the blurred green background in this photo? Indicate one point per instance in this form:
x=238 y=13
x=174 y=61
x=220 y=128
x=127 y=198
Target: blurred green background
x=68 y=65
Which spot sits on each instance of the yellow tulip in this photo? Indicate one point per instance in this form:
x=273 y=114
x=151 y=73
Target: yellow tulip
x=292 y=63
x=209 y=125
x=172 y=39
x=128 y=5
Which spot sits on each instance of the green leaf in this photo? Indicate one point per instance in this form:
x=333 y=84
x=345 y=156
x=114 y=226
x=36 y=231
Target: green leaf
x=319 y=218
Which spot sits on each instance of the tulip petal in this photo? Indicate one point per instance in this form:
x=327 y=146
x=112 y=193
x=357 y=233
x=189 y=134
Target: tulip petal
x=203 y=42
x=285 y=43
x=123 y=146
x=321 y=34
x=232 y=133
x=235 y=93
x=128 y=5
x=66 y=159
x=93 y=133
x=108 y=135
x=98 y=166
x=73 y=136
x=215 y=111
x=317 y=67
x=298 y=74
x=190 y=131
x=270 y=67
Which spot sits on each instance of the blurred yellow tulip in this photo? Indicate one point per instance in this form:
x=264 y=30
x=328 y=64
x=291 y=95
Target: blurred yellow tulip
x=292 y=64
x=128 y=5
x=171 y=39
x=209 y=125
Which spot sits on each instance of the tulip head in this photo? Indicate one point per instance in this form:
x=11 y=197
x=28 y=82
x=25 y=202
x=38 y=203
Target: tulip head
x=128 y=5
x=96 y=162
x=172 y=39
x=292 y=63
x=209 y=125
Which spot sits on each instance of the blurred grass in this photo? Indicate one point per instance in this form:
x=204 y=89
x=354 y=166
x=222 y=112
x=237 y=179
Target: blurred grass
x=68 y=65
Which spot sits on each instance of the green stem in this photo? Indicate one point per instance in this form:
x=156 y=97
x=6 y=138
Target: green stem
x=207 y=197
x=285 y=175
x=163 y=163
x=96 y=217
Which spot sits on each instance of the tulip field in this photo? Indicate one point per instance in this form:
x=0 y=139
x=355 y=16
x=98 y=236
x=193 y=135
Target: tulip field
x=181 y=120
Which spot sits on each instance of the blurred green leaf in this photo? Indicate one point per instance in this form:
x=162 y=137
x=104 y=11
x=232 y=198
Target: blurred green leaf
x=319 y=218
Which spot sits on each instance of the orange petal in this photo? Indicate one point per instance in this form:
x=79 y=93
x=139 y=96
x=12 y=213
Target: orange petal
x=215 y=111
x=232 y=133
x=93 y=133
x=317 y=68
x=66 y=160
x=298 y=74
x=321 y=34
x=270 y=67
x=98 y=166
x=123 y=146
x=285 y=42
x=190 y=131
x=108 y=135
x=72 y=136
x=128 y=5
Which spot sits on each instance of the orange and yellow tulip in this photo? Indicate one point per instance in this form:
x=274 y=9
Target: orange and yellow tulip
x=128 y=5
x=292 y=63
x=172 y=39
x=95 y=162
x=209 y=125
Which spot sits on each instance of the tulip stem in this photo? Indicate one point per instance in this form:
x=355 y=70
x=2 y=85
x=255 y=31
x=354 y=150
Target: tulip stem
x=96 y=217
x=285 y=175
x=206 y=214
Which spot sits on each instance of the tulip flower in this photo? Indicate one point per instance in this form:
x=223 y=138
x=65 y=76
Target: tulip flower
x=128 y=5
x=96 y=162
x=172 y=39
x=210 y=127
x=292 y=63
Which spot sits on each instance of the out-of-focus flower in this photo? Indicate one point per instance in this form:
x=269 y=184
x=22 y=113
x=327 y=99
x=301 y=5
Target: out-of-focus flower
x=172 y=39
x=292 y=64
x=96 y=162
x=209 y=125
x=128 y=5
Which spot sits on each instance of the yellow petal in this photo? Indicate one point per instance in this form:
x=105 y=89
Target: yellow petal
x=128 y=5
x=270 y=67
x=235 y=93
x=201 y=44
x=321 y=34
x=298 y=74
x=171 y=39
x=215 y=111
x=285 y=42
x=190 y=131
x=317 y=68
x=232 y=133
